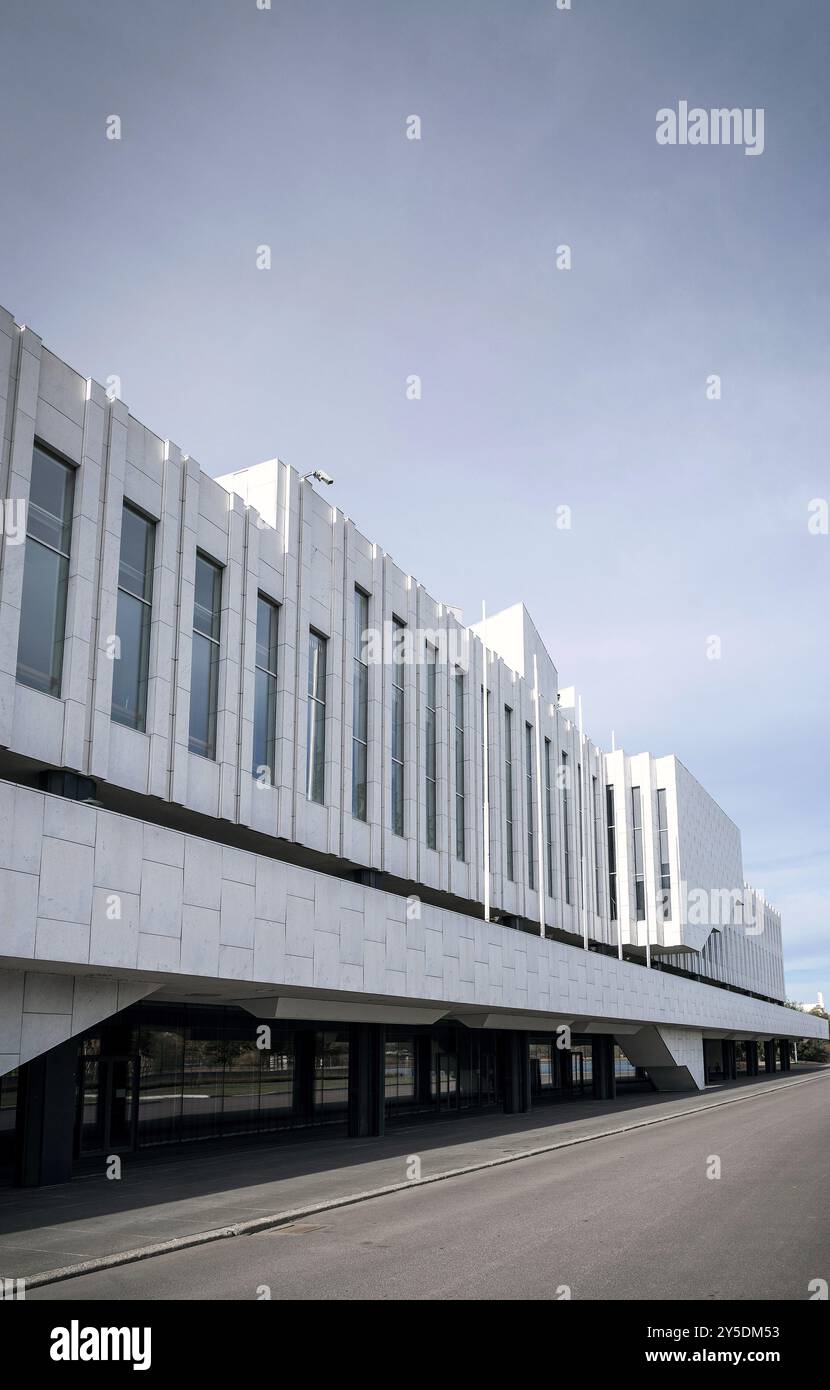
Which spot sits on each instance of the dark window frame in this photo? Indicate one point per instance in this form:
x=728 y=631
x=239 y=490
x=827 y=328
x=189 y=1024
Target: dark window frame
x=317 y=710
x=360 y=706
x=49 y=682
x=214 y=639
x=271 y=682
x=119 y=713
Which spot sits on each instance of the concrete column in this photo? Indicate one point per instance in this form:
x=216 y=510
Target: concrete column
x=46 y=1117
x=769 y=1055
x=605 y=1081
x=730 y=1060
x=784 y=1053
x=751 y=1058
x=366 y=1079
x=515 y=1062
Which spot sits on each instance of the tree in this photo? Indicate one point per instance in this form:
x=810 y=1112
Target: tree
x=813 y=1049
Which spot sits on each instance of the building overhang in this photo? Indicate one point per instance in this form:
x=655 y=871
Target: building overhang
x=279 y=1006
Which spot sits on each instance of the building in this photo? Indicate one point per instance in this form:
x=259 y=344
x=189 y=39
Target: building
x=245 y=884
x=819 y=1004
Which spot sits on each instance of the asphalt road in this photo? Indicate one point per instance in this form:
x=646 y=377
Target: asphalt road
x=632 y=1217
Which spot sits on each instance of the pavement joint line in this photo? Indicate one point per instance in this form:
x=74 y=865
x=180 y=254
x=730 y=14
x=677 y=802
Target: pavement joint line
x=286 y=1218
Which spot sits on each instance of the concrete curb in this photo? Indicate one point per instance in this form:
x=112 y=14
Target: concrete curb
x=286 y=1218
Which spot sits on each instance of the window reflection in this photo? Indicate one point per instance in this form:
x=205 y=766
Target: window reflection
x=45 y=573
x=166 y=1074
x=132 y=623
x=331 y=1076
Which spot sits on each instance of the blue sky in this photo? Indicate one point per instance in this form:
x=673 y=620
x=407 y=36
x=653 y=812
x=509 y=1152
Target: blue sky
x=437 y=257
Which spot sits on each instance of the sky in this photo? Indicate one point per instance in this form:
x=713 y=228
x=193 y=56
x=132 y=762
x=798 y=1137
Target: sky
x=542 y=388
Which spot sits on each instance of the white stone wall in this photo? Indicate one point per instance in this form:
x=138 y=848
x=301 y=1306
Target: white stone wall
x=274 y=534
x=719 y=926
x=85 y=891
x=748 y=956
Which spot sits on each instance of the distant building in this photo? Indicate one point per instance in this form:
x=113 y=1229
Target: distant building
x=819 y=1004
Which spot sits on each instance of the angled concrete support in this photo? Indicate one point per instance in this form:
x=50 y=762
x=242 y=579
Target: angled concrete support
x=673 y=1057
x=39 y=1009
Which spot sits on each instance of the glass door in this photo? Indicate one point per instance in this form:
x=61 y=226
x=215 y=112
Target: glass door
x=121 y=1077
x=447 y=1076
x=90 y=1106
x=331 y=1078
x=106 y=1104
x=489 y=1091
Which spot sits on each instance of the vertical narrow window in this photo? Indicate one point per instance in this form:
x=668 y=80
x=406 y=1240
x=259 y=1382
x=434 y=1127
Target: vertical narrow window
x=566 y=823
x=639 y=878
x=132 y=621
x=581 y=866
x=360 y=706
x=316 y=725
x=531 y=837
x=508 y=791
x=45 y=573
x=548 y=819
x=459 y=766
x=398 y=726
x=488 y=771
x=612 y=853
x=431 y=760
x=665 y=869
x=597 y=844
x=204 y=664
x=265 y=688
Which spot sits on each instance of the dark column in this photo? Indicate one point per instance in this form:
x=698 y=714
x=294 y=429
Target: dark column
x=784 y=1053
x=730 y=1059
x=769 y=1055
x=366 y=1079
x=423 y=1068
x=565 y=1064
x=602 y=1056
x=304 y=1043
x=46 y=1117
x=515 y=1061
x=751 y=1058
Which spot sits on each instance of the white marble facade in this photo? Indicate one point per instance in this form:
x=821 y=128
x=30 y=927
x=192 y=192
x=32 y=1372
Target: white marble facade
x=102 y=902
x=191 y=909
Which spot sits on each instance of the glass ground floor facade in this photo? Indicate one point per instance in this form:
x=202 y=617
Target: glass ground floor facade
x=163 y=1074
x=726 y=1058
x=160 y=1075
x=557 y=1072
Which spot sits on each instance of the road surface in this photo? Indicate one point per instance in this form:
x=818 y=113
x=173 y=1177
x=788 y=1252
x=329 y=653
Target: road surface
x=631 y=1217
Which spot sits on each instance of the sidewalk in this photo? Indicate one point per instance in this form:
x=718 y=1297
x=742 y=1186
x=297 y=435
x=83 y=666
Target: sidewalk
x=190 y=1192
